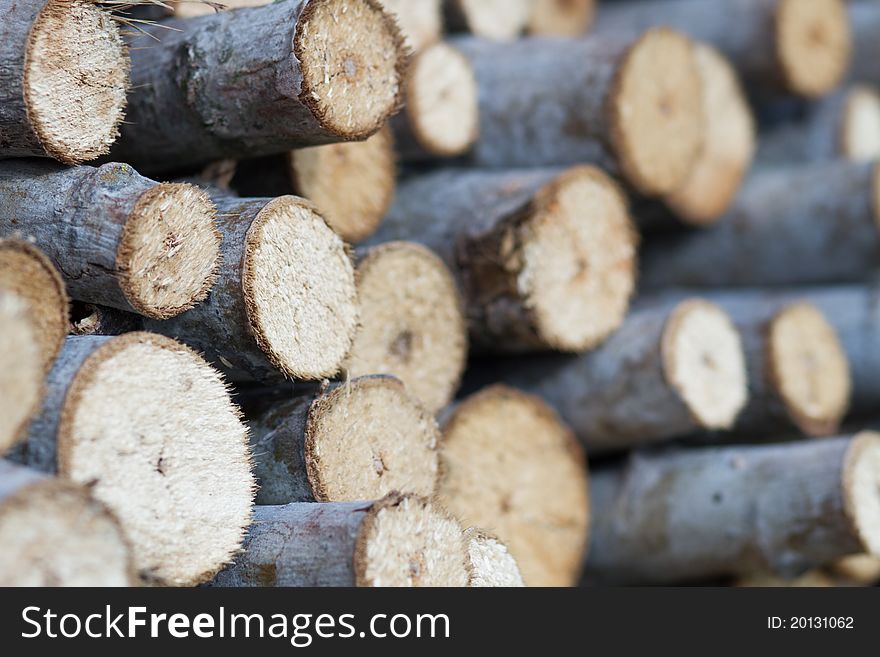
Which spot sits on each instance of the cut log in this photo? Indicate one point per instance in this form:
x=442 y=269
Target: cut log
x=544 y=259
x=728 y=147
x=89 y=319
x=368 y=169
x=400 y=541
x=261 y=80
x=412 y=322
x=119 y=239
x=285 y=300
x=149 y=426
x=864 y=19
x=420 y=21
x=54 y=534
x=665 y=373
x=31 y=277
x=701 y=513
x=498 y=20
x=361 y=440
x=489 y=563
x=790 y=46
x=859 y=570
x=21 y=370
x=567 y=18
x=633 y=105
x=812 y=579
x=813 y=224
x=845 y=125
x=63 y=79
x=507 y=463
x=440 y=116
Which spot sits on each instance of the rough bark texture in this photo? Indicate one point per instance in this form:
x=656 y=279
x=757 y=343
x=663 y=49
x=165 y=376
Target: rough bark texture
x=690 y=514
x=815 y=224
x=864 y=19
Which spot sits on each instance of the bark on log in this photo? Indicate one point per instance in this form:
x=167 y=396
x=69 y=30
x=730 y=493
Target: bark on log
x=54 y=534
x=489 y=562
x=633 y=105
x=360 y=440
x=412 y=323
x=285 y=300
x=566 y=18
x=507 y=463
x=543 y=259
x=864 y=19
x=440 y=116
x=119 y=239
x=28 y=274
x=701 y=513
x=21 y=370
x=63 y=78
x=666 y=373
x=400 y=541
x=845 y=125
x=813 y=224
x=89 y=319
x=498 y=20
x=791 y=46
x=150 y=428
x=231 y=85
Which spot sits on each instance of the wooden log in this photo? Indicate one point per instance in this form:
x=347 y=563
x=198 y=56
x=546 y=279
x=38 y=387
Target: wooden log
x=63 y=79
x=230 y=85
x=149 y=426
x=489 y=562
x=804 y=225
x=21 y=370
x=119 y=239
x=285 y=300
x=566 y=18
x=812 y=579
x=90 y=319
x=440 y=116
x=667 y=372
x=845 y=125
x=790 y=46
x=412 y=322
x=368 y=169
x=864 y=20
x=707 y=512
x=55 y=534
x=507 y=463
x=362 y=439
x=28 y=274
x=857 y=569
x=544 y=258
x=633 y=105
x=498 y=20
x=400 y=541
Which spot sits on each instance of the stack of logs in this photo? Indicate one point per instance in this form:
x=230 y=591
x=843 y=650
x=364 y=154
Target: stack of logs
x=343 y=292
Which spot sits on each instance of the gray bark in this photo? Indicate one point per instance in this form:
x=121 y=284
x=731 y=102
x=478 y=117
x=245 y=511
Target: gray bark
x=864 y=20
x=14 y=478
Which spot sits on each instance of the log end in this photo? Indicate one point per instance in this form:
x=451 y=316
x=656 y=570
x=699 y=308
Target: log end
x=353 y=63
x=405 y=541
x=703 y=360
x=370 y=174
x=412 y=323
x=368 y=438
x=489 y=562
x=577 y=258
x=420 y=21
x=29 y=275
x=860 y=130
x=496 y=20
x=861 y=489
x=75 y=80
x=859 y=569
x=813 y=45
x=21 y=370
x=299 y=287
x=809 y=368
x=441 y=101
x=54 y=534
x=656 y=111
x=150 y=426
x=169 y=251
x=728 y=147
x=508 y=463
x=566 y=18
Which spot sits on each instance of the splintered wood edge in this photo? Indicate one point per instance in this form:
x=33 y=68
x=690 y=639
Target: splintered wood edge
x=859 y=131
x=808 y=368
x=393 y=448
x=21 y=370
x=404 y=540
x=567 y=18
x=489 y=563
x=861 y=489
x=76 y=76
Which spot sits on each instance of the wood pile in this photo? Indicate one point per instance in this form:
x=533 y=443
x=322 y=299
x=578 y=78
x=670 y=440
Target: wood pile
x=346 y=292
